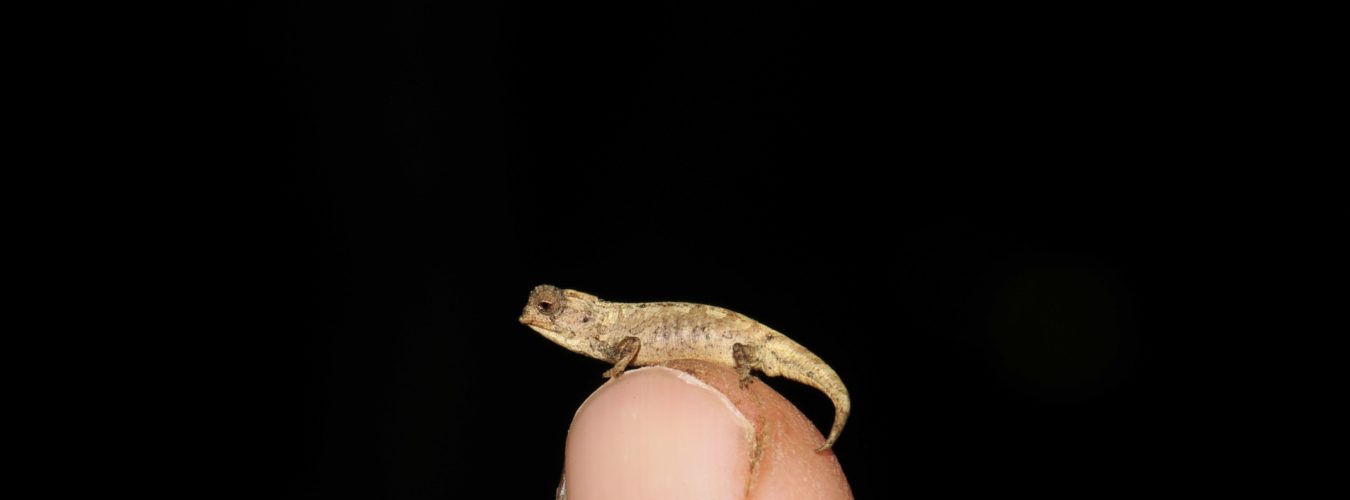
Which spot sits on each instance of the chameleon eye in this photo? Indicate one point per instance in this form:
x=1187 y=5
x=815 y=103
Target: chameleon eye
x=545 y=306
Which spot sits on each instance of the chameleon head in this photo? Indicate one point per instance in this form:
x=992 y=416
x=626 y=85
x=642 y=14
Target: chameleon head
x=560 y=315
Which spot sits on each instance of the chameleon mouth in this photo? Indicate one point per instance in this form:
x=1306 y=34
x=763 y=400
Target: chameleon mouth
x=546 y=332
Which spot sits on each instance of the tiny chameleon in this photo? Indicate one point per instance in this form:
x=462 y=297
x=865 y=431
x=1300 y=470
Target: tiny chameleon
x=642 y=334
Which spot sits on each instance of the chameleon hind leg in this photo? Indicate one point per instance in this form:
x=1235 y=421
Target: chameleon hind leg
x=623 y=354
x=745 y=360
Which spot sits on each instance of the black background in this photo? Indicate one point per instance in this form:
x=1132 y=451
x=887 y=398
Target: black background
x=985 y=220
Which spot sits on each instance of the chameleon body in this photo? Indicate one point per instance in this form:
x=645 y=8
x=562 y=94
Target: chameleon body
x=640 y=334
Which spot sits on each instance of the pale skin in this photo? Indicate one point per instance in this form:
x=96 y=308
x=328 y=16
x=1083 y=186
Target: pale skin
x=687 y=429
x=641 y=334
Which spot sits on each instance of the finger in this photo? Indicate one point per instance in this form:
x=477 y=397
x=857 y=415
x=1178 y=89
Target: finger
x=689 y=431
x=786 y=465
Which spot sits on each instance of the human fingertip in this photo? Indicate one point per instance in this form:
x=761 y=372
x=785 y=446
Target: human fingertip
x=658 y=433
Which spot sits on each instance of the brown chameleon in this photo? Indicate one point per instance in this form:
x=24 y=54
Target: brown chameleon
x=642 y=334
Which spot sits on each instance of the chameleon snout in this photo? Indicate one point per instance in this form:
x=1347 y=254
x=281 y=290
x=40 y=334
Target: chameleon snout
x=529 y=317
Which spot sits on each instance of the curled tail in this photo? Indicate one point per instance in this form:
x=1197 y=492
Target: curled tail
x=796 y=363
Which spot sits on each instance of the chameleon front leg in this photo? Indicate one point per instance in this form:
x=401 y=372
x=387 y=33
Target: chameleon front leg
x=623 y=353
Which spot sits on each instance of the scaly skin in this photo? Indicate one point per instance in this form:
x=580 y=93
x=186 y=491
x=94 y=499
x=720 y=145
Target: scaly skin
x=651 y=333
